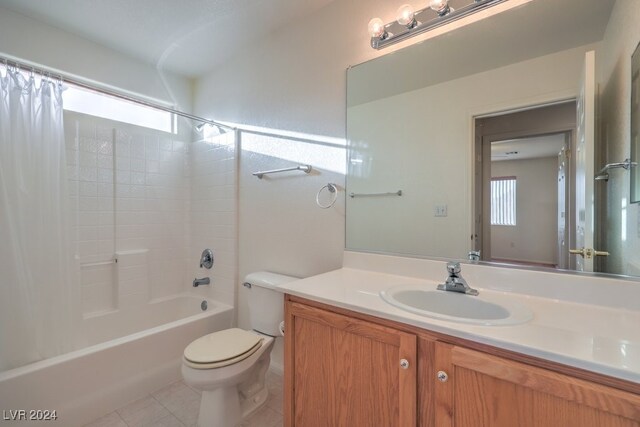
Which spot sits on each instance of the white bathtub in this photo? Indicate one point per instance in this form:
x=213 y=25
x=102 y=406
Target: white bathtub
x=111 y=372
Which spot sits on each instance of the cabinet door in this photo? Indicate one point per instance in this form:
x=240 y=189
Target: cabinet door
x=341 y=371
x=477 y=389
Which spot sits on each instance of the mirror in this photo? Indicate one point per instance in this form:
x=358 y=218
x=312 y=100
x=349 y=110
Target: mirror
x=484 y=142
x=635 y=125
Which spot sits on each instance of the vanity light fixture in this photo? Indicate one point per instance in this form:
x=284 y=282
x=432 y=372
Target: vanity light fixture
x=409 y=22
x=377 y=29
x=441 y=7
x=406 y=16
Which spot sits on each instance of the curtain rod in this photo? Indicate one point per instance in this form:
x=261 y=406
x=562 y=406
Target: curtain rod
x=113 y=93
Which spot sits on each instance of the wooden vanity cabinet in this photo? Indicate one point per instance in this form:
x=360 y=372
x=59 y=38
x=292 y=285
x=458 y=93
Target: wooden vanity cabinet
x=479 y=389
x=342 y=371
x=348 y=369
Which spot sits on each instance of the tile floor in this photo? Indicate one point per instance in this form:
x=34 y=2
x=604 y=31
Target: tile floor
x=177 y=405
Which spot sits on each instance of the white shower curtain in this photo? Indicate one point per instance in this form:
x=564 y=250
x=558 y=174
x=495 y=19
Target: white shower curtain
x=35 y=280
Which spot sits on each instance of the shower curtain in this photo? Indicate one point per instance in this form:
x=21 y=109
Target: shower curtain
x=35 y=280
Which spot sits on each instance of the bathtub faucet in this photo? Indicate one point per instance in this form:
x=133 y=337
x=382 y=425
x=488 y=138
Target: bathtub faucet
x=203 y=281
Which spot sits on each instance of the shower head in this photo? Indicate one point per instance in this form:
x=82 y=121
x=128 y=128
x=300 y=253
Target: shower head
x=218 y=129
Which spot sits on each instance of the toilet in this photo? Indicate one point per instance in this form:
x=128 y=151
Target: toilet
x=229 y=366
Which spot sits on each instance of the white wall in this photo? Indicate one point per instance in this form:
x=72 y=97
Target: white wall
x=534 y=238
x=431 y=165
x=281 y=228
x=622 y=230
x=31 y=40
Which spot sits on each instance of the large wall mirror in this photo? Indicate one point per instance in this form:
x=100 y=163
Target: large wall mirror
x=635 y=125
x=503 y=141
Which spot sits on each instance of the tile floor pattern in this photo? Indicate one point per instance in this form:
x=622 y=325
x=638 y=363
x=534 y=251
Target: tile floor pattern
x=177 y=405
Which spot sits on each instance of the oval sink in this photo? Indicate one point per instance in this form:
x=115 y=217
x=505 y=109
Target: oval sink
x=480 y=310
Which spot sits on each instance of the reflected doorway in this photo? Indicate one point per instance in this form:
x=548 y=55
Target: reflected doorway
x=524 y=186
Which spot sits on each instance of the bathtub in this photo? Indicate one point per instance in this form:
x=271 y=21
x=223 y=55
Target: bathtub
x=126 y=354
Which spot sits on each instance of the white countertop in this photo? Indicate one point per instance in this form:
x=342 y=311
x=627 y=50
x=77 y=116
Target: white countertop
x=598 y=338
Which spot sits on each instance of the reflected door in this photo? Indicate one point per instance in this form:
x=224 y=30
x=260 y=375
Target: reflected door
x=585 y=132
x=563 y=171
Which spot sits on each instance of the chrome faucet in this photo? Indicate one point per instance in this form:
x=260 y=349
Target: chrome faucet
x=199 y=282
x=455 y=282
x=474 y=256
x=206 y=259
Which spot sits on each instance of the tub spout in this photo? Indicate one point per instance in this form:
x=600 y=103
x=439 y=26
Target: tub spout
x=203 y=281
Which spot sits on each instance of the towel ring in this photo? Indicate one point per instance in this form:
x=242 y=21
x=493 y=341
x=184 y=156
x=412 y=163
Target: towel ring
x=332 y=188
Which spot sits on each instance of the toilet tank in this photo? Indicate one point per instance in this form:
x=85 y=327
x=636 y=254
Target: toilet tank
x=266 y=304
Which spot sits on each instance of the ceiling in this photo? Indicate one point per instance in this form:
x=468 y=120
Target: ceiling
x=528 y=148
x=188 y=37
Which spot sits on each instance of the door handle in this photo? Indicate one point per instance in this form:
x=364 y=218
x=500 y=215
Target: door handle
x=582 y=252
x=588 y=253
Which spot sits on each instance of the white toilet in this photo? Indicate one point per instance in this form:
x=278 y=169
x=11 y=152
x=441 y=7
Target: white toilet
x=229 y=366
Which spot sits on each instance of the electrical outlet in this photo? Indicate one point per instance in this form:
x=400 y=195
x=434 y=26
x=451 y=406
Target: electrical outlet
x=440 y=210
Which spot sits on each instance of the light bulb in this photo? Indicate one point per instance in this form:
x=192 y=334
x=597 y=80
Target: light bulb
x=441 y=7
x=405 y=15
x=376 y=28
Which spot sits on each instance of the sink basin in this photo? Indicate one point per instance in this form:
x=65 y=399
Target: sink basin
x=486 y=309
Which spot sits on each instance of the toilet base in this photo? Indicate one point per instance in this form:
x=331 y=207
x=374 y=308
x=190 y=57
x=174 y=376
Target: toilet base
x=220 y=408
x=223 y=407
x=255 y=402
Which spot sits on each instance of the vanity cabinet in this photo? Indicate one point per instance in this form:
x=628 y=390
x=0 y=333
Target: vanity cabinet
x=348 y=369
x=343 y=371
x=479 y=389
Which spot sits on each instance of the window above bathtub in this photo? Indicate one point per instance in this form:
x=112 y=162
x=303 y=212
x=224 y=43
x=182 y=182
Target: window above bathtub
x=97 y=104
x=85 y=101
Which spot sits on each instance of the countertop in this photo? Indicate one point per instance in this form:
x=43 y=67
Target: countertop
x=597 y=338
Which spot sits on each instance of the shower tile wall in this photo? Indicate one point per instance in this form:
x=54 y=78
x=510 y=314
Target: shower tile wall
x=213 y=214
x=129 y=189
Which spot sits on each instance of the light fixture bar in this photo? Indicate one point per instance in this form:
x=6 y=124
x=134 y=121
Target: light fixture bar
x=395 y=32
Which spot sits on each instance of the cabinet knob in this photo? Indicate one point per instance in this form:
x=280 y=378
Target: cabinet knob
x=442 y=376
x=404 y=363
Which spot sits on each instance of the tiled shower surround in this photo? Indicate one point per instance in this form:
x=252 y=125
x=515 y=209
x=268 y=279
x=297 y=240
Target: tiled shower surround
x=153 y=202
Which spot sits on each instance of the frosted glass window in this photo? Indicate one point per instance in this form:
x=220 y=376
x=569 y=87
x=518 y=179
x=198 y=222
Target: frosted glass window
x=97 y=104
x=107 y=107
x=503 y=200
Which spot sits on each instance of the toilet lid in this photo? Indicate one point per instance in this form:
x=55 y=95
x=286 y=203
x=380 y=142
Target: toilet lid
x=227 y=345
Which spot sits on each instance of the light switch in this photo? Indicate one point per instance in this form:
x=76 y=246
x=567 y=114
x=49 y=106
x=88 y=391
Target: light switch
x=440 y=210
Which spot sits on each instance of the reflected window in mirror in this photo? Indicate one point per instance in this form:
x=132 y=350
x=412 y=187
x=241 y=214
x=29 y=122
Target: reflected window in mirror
x=503 y=200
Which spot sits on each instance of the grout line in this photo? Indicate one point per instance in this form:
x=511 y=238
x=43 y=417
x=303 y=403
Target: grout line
x=263 y=409
x=168 y=410
x=120 y=416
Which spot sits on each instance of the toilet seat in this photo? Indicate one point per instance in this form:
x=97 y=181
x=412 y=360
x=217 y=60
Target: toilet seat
x=221 y=349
